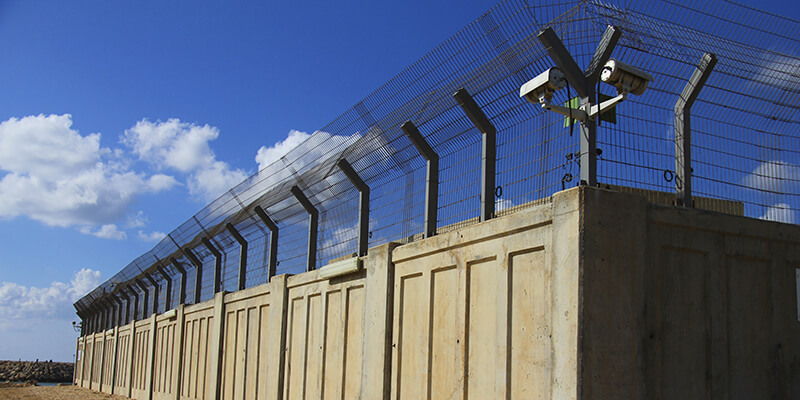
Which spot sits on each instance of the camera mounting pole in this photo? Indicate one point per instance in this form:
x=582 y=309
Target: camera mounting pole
x=583 y=82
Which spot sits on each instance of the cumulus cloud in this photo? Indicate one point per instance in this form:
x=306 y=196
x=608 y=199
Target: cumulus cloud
x=56 y=176
x=311 y=153
x=773 y=176
x=268 y=155
x=184 y=147
x=107 y=231
x=22 y=302
x=780 y=212
x=152 y=236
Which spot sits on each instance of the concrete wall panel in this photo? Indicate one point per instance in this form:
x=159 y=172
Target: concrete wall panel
x=123 y=363
x=196 y=361
x=473 y=312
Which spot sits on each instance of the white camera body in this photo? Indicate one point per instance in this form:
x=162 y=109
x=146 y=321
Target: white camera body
x=626 y=78
x=540 y=89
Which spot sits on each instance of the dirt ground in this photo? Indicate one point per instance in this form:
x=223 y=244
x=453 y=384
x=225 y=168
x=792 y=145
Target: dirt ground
x=53 y=393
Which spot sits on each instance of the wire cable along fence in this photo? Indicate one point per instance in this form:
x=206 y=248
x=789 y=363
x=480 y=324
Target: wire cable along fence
x=449 y=142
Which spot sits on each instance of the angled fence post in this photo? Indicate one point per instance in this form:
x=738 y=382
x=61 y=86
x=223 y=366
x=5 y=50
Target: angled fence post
x=242 y=254
x=683 y=129
x=272 y=263
x=431 y=176
x=127 y=318
x=168 y=291
x=488 y=150
x=217 y=263
x=146 y=297
x=313 y=222
x=155 y=292
x=363 y=205
x=182 y=287
x=135 y=295
x=198 y=276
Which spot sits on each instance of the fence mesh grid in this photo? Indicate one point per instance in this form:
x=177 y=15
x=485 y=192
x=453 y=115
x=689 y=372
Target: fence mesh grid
x=744 y=122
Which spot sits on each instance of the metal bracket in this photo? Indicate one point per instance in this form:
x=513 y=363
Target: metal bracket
x=363 y=205
x=272 y=263
x=313 y=222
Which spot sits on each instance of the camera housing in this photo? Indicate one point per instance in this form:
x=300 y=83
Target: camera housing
x=540 y=89
x=626 y=78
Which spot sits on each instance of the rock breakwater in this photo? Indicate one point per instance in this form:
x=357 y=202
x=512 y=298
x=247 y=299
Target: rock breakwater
x=40 y=371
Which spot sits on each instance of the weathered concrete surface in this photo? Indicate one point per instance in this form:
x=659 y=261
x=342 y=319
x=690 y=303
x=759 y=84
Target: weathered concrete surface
x=592 y=294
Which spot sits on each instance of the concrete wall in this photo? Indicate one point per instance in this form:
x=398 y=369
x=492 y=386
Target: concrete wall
x=593 y=294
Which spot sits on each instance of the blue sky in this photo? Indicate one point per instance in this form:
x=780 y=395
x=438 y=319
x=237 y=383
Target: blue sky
x=120 y=120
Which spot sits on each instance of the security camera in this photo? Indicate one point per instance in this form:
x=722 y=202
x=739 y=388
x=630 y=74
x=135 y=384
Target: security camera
x=540 y=89
x=625 y=78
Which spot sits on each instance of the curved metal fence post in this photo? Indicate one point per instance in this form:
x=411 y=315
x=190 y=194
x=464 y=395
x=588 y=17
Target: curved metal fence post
x=217 y=264
x=135 y=295
x=127 y=306
x=431 y=176
x=168 y=291
x=313 y=221
x=272 y=263
x=363 y=205
x=683 y=129
x=155 y=291
x=146 y=293
x=198 y=276
x=488 y=150
x=242 y=254
x=182 y=287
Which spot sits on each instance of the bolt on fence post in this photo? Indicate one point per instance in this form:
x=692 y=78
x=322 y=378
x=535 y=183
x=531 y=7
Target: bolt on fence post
x=363 y=205
x=683 y=130
x=242 y=254
x=155 y=292
x=182 y=287
x=431 y=176
x=198 y=276
x=168 y=291
x=313 y=221
x=488 y=150
x=272 y=263
x=217 y=264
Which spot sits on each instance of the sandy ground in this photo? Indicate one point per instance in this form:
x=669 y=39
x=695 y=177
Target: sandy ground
x=53 y=393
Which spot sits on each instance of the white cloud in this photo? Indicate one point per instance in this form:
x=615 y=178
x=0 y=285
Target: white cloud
x=268 y=155
x=21 y=302
x=152 y=236
x=210 y=182
x=57 y=176
x=107 y=231
x=184 y=147
x=773 y=176
x=780 y=212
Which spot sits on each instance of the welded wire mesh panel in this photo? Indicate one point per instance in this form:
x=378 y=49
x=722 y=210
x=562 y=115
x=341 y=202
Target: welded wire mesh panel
x=746 y=152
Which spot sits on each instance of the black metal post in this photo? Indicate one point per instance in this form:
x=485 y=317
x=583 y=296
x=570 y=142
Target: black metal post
x=119 y=309
x=242 y=254
x=272 y=264
x=127 y=305
x=363 y=205
x=431 y=176
x=217 y=263
x=135 y=295
x=182 y=287
x=488 y=150
x=198 y=276
x=168 y=294
x=683 y=129
x=313 y=221
x=146 y=296
x=155 y=292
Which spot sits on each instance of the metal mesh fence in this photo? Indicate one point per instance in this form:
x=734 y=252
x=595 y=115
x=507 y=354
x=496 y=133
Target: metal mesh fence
x=745 y=146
